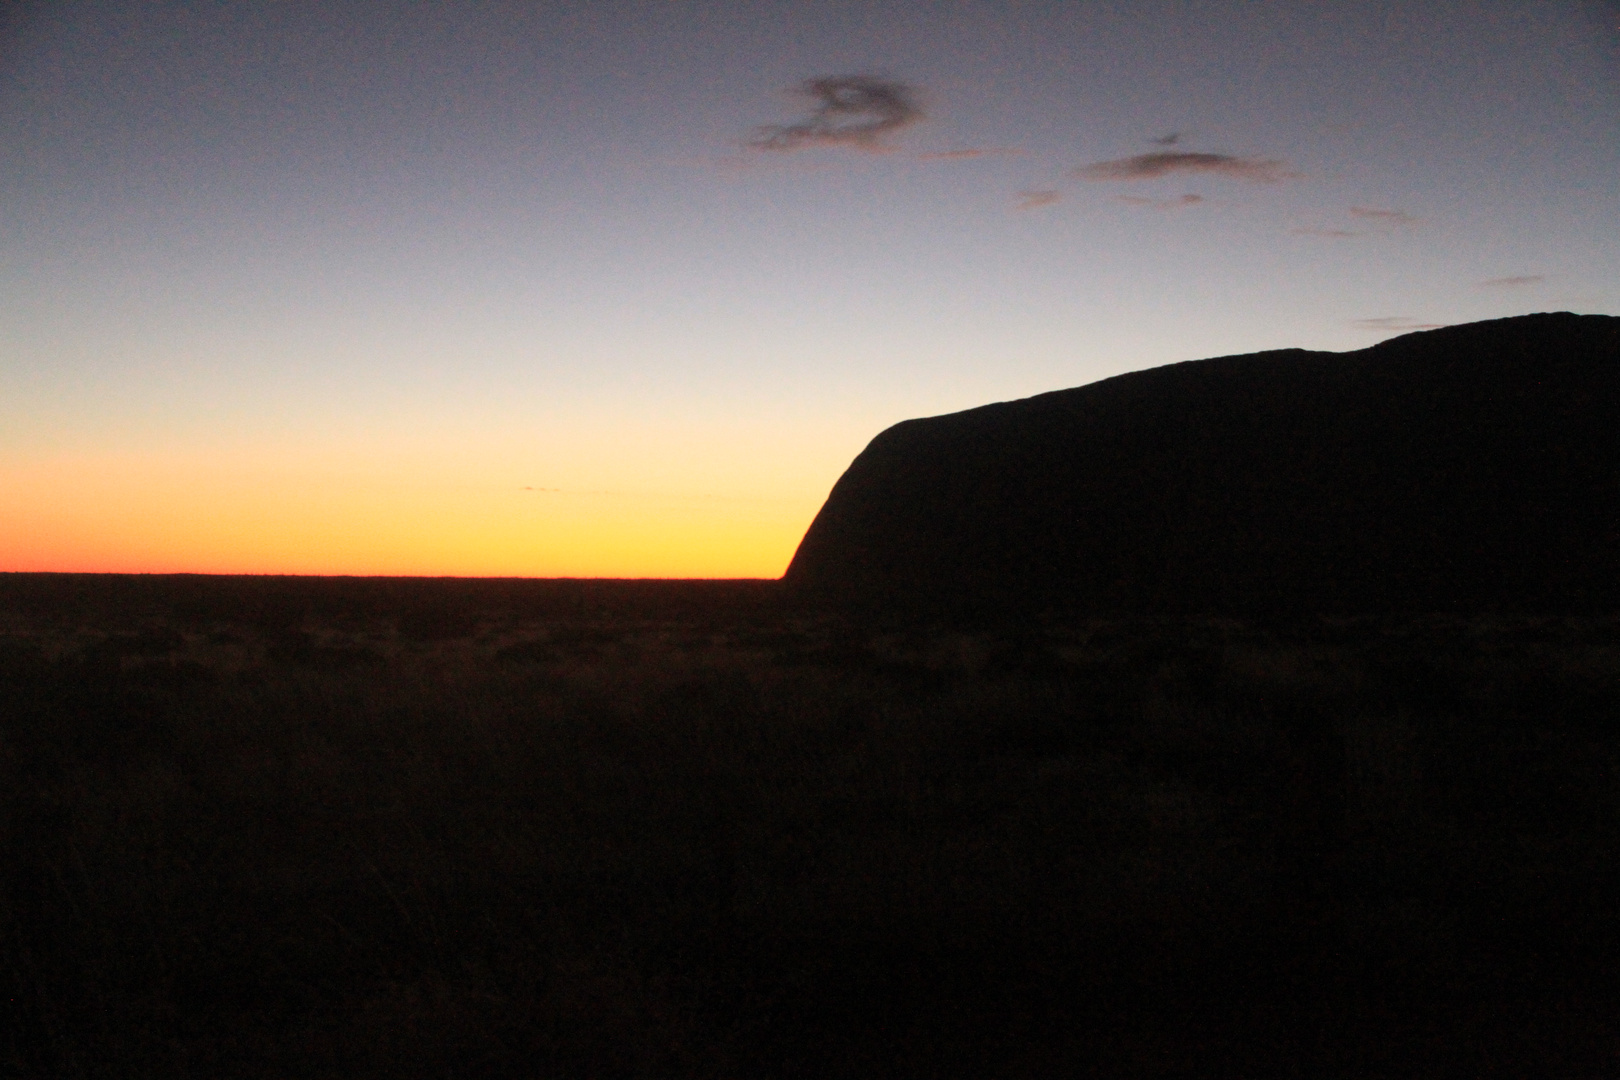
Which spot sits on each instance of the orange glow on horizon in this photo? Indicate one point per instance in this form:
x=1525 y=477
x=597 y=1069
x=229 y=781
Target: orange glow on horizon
x=152 y=516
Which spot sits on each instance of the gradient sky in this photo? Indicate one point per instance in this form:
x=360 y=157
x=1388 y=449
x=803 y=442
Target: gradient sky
x=594 y=289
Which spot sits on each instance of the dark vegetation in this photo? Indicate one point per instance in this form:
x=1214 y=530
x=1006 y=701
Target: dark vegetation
x=329 y=828
x=1473 y=468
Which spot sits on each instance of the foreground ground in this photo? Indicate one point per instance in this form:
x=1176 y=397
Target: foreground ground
x=441 y=829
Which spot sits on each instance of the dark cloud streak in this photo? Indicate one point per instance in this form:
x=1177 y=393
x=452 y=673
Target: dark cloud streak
x=852 y=110
x=1388 y=217
x=1165 y=162
x=1162 y=204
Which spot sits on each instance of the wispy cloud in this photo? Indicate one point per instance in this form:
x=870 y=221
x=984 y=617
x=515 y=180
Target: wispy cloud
x=1162 y=204
x=1395 y=322
x=1033 y=200
x=1386 y=217
x=1331 y=234
x=1167 y=140
x=856 y=111
x=1516 y=282
x=969 y=154
x=1165 y=162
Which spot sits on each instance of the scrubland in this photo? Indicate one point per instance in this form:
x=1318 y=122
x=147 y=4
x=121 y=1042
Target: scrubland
x=654 y=831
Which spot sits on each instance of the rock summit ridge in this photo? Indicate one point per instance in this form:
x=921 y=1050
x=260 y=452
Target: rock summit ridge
x=1470 y=468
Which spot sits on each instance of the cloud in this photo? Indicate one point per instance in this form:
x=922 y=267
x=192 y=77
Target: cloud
x=1395 y=322
x=1388 y=217
x=1033 y=200
x=1515 y=282
x=1162 y=204
x=1331 y=234
x=1167 y=140
x=1164 y=162
x=850 y=110
x=966 y=155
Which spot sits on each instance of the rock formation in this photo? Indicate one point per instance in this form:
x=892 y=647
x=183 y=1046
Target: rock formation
x=1467 y=469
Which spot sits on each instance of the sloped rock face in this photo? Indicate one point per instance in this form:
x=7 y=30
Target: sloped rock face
x=1468 y=469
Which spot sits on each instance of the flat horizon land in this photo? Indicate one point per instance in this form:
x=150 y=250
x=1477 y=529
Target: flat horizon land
x=485 y=828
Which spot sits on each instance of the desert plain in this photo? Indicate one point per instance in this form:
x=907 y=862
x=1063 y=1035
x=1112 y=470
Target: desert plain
x=259 y=827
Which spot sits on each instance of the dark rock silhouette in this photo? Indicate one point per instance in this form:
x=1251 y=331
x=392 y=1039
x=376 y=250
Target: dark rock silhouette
x=1473 y=468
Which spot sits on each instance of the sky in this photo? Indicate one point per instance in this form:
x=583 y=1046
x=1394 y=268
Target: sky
x=618 y=289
